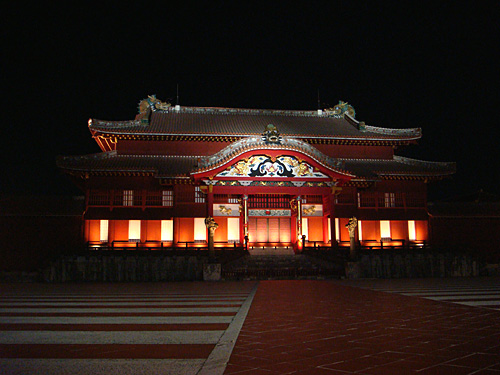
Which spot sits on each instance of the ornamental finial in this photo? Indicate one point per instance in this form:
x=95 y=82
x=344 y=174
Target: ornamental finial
x=152 y=102
x=271 y=135
x=340 y=109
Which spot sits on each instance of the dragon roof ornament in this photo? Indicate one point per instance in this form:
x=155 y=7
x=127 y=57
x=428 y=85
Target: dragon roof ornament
x=339 y=110
x=152 y=102
x=271 y=135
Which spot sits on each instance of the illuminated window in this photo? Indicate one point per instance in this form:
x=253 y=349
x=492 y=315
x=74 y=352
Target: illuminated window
x=412 y=233
x=305 y=227
x=360 y=231
x=167 y=198
x=103 y=234
x=134 y=231
x=128 y=197
x=385 y=229
x=167 y=230
x=233 y=229
x=337 y=229
x=200 y=230
x=199 y=196
x=390 y=200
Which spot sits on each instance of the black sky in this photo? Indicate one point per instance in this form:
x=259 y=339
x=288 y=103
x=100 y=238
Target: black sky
x=433 y=65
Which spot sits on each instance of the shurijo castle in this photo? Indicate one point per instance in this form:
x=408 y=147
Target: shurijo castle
x=264 y=178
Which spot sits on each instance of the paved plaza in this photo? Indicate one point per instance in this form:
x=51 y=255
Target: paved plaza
x=420 y=326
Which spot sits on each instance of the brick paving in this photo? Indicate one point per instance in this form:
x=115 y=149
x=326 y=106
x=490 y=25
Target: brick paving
x=292 y=327
x=329 y=327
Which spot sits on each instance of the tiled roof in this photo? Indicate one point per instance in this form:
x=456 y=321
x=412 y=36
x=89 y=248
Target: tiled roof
x=398 y=166
x=159 y=165
x=182 y=166
x=258 y=143
x=245 y=122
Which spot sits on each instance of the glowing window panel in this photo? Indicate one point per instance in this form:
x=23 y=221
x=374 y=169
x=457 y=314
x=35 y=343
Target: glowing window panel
x=103 y=233
x=412 y=232
x=233 y=229
x=134 y=230
x=167 y=230
x=360 y=231
x=330 y=229
x=167 y=198
x=305 y=227
x=390 y=200
x=128 y=197
x=200 y=230
x=199 y=196
x=385 y=229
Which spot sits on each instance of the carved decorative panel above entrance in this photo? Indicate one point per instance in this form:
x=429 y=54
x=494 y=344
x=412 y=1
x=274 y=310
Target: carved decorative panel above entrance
x=264 y=166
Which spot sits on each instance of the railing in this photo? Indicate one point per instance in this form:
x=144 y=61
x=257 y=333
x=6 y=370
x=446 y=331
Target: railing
x=369 y=245
x=158 y=245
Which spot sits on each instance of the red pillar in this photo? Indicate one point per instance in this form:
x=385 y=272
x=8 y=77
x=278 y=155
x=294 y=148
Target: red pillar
x=210 y=201
x=333 y=228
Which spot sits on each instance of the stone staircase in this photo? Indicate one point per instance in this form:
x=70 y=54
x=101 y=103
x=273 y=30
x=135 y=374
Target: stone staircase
x=280 y=266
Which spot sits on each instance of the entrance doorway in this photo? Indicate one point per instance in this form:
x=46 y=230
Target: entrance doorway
x=269 y=229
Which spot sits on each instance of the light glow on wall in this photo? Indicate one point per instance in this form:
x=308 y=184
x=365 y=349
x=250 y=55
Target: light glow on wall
x=360 y=231
x=167 y=230
x=200 y=230
x=103 y=232
x=337 y=229
x=134 y=230
x=385 y=229
x=412 y=232
x=233 y=229
x=329 y=230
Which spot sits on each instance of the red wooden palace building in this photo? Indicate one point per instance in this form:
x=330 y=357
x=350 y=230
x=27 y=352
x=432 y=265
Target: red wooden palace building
x=276 y=177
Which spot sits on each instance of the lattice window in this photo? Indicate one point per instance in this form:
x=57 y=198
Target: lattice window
x=312 y=199
x=128 y=198
x=226 y=198
x=167 y=198
x=98 y=198
x=269 y=201
x=153 y=198
x=389 y=200
x=367 y=200
x=199 y=196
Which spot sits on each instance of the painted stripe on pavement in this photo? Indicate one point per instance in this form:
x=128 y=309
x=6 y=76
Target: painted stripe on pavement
x=113 y=320
x=106 y=337
x=133 y=310
x=108 y=351
x=117 y=304
x=114 y=327
x=100 y=366
x=206 y=313
x=464 y=298
x=480 y=303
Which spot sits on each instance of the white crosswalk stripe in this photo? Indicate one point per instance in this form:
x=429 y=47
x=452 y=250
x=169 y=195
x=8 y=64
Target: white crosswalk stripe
x=66 y=329
x=480 y=292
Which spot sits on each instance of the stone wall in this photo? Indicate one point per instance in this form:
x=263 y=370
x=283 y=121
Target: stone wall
x=126 y=268
x=415 y=265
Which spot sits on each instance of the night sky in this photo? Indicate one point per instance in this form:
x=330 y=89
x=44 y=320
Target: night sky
x=433 y=65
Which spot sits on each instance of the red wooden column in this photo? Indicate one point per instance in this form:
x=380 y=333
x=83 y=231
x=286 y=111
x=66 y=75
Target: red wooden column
x=210 y=201
x=300 y=242
x=333 y=228
x=245 y=217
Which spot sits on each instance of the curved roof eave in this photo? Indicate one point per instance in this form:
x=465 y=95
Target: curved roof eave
x=249 y=144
